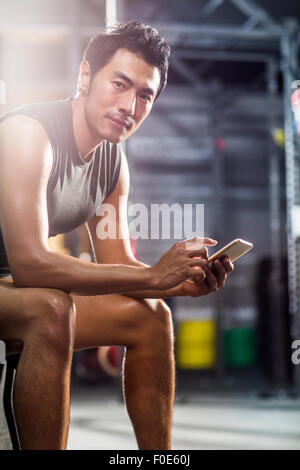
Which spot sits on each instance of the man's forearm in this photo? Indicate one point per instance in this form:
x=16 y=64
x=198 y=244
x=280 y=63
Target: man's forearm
x=152 y=293
x=59 y=271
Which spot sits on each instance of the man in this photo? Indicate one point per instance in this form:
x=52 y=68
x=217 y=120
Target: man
x=59 y=162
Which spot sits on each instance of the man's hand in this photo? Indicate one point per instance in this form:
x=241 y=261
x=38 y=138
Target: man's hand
x=181 y=262
x=215 y=278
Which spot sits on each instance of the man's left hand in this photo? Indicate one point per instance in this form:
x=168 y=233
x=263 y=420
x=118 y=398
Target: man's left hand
x=215 y=278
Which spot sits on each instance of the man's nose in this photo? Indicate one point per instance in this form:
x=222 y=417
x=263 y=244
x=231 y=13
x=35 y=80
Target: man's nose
x=127 y=103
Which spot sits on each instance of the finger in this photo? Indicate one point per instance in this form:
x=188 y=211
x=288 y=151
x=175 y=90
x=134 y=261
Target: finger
x=190 y=240
x=219 y=271
x=207 y=241
x=196 y=272
x=210 y=279
x=198 y=242
x=198 y=262
x=191 y=281
x=227 y=264
x=202 y=252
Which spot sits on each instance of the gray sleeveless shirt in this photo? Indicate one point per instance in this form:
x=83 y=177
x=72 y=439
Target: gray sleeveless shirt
x=76 y=188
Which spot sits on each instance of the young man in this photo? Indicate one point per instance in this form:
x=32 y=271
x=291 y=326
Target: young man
x=59 y=162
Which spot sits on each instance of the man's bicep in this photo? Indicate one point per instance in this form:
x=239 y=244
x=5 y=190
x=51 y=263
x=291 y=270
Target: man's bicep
x=109 y=226
x=25 y=166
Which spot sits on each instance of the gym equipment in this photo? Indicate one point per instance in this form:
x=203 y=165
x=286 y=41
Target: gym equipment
x=196 y=348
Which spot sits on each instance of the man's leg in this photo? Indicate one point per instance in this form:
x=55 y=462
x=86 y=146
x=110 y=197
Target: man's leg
x=144 y=327
x=43 y=321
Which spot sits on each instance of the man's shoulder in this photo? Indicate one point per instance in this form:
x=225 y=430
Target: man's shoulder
x=38 y=109
x=45 y=121
x=21 y=130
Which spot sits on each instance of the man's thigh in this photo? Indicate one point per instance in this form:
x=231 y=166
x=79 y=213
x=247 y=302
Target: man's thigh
x=112 y=319
x=10 y=311
x=22 y=307
x=100 y=320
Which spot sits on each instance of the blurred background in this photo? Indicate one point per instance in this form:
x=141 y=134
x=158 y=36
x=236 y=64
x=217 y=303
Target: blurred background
x=222 y=134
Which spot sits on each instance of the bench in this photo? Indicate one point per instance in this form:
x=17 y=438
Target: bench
x=8 y=367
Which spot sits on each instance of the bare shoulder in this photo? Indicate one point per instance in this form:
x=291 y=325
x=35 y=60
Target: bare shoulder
x=24 y=137
x=22 y=127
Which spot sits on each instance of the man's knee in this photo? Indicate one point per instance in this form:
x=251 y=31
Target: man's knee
x=50 y=316
x=163 y=312
x=155 y=320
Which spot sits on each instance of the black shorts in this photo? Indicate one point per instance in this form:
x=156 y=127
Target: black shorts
x=5 y=273
x=5 y=276
x=4 y=266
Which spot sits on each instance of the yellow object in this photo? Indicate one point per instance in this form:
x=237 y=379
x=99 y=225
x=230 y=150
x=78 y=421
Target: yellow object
x=196 y=344
x=278 y=137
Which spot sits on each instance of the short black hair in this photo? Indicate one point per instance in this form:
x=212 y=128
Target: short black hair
x=134 y=36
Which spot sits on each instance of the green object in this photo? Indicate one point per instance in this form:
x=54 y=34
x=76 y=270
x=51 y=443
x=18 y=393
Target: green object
x=239 y=347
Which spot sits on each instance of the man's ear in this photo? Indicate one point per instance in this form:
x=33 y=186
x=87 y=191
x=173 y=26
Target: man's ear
x=85 y=77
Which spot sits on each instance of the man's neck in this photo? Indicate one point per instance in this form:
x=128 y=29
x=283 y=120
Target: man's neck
x=86 y=143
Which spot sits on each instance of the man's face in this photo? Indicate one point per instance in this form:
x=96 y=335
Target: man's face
x=120 y=96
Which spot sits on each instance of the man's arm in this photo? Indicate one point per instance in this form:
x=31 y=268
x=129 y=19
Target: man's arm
x=25 y=165
x=118 y=250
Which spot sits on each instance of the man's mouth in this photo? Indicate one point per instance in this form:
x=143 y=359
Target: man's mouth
x=120 y=123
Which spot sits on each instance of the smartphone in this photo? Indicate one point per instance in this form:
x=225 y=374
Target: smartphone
x=234 y=250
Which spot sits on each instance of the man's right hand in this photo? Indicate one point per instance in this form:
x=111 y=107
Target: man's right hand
x=181 y=262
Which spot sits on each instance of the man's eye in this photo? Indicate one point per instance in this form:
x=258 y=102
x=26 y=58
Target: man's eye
x=119 y=85
x=145 y=97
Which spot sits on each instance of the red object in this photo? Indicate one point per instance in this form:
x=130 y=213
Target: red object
x=295 y=102
x=114 y=356
x=220 y=144
x=295 y=98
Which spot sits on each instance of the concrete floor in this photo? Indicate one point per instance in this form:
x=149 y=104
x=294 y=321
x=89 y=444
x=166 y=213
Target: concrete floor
x=202 y=422
x=99 y=420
